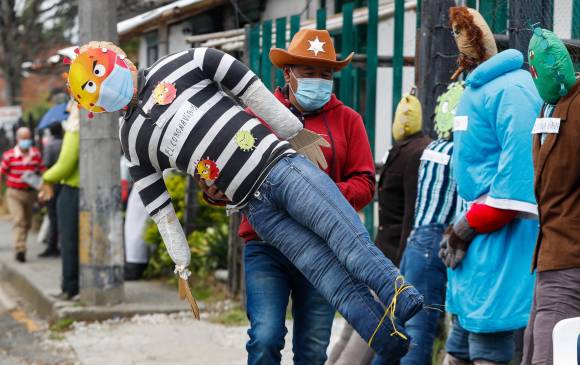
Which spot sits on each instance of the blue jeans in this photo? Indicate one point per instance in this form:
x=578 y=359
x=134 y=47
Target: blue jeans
x=300 y=211
x=270 y=280
x=496 y=347
x=424 y=269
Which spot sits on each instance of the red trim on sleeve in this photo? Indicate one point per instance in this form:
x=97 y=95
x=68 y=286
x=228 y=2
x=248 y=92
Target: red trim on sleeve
x=485 y=219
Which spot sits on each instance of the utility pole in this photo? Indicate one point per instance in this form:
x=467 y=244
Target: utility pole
x=101 y=253
x=436 y=56
x=523 y=14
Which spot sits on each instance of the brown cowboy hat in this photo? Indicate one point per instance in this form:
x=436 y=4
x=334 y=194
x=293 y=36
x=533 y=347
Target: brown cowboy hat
x=309 y=47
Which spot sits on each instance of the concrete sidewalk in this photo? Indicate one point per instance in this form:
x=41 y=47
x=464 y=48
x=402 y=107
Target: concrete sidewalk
x=38 y=278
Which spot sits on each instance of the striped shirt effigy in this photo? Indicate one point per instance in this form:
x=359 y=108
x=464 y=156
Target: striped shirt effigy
x=185 y=120
x=437 y=198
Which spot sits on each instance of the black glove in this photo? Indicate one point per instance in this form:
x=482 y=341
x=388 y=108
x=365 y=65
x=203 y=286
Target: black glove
x=455 y=242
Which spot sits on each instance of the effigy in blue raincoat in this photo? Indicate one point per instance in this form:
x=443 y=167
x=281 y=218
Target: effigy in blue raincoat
x=491 y=290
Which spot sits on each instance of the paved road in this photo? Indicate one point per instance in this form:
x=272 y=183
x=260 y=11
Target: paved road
x=142 y=340
x=25 y=340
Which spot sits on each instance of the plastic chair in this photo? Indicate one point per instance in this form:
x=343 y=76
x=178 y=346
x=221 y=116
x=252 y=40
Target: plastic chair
x=566 y=341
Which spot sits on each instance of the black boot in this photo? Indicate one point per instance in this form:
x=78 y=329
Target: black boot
x=21 y=256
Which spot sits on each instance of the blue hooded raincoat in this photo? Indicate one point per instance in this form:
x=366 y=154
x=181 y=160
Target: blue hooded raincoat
x=491 y=290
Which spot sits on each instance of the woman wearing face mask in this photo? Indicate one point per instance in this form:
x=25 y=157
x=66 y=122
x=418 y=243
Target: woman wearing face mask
x=271 y=278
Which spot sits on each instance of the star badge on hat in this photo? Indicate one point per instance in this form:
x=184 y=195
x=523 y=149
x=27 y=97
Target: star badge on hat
x=316 y=46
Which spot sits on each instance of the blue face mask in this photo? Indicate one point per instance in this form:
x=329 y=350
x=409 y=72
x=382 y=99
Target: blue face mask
x=25 y=144
x=312 y=94
x=116 y=90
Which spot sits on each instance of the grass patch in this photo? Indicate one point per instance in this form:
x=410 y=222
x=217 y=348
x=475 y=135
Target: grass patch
x=62 y=325
x=233 y=318
x=58 y=329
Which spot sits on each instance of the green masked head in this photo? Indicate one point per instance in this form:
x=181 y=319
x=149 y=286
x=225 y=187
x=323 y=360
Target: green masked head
x=445 y=110
x=550 y=65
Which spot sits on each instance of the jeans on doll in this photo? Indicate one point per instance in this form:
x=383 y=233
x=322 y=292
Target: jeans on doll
x=301 y=212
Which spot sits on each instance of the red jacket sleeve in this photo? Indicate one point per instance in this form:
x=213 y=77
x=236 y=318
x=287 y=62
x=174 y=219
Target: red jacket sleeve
x=357 y=182
x=485 y=219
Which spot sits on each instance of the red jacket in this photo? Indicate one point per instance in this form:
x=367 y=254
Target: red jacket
x=351 y=165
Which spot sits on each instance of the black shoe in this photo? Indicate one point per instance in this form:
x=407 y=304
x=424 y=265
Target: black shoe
x=21 y=256
x=49 y=252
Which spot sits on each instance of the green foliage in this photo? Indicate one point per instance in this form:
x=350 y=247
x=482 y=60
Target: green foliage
x=208 y=242
x=232 y=318
x=62 y=325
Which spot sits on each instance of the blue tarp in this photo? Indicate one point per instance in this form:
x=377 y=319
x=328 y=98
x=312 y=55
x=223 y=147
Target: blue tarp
x=56 y=114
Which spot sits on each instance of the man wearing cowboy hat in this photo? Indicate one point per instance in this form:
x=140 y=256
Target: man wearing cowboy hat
x=308 y=66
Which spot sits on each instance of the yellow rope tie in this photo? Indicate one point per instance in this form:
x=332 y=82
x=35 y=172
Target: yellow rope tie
x=390 y=311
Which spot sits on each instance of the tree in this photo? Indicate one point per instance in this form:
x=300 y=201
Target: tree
x=27 y=28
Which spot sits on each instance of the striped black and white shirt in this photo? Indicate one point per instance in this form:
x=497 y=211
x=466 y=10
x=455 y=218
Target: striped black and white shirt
x=437 y=198
x=203 y=131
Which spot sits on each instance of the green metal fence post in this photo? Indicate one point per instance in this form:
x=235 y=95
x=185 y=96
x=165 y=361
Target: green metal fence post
x=346 y=91
x=575 y=20
x=371 y=92
x=321 y=18
x=294 y=25
x=254 y=48
x=280 y=43
x=398 y=52
x=266 y=45
x=495 y=13
x=418 y=12
x=472 y=4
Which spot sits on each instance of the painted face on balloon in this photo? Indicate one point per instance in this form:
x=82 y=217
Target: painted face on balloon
x=550 y=65
x=87 y=72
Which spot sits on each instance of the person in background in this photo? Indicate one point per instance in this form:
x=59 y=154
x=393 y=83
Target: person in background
x=50 y=156
x=136 y=216
x=556 y=153
x=66 y=172
x=398 y=179
x=489 y=247
x=270 y=277
x=436 y=207
x=20 y=196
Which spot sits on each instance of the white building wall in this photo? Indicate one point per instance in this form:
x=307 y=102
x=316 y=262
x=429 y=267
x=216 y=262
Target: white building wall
x=384 y=110
x=177 y=41
x=142 y=52
x=563 y=18
x=279 y=8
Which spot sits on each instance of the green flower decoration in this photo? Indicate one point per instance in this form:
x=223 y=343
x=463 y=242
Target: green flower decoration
x=445 y=110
